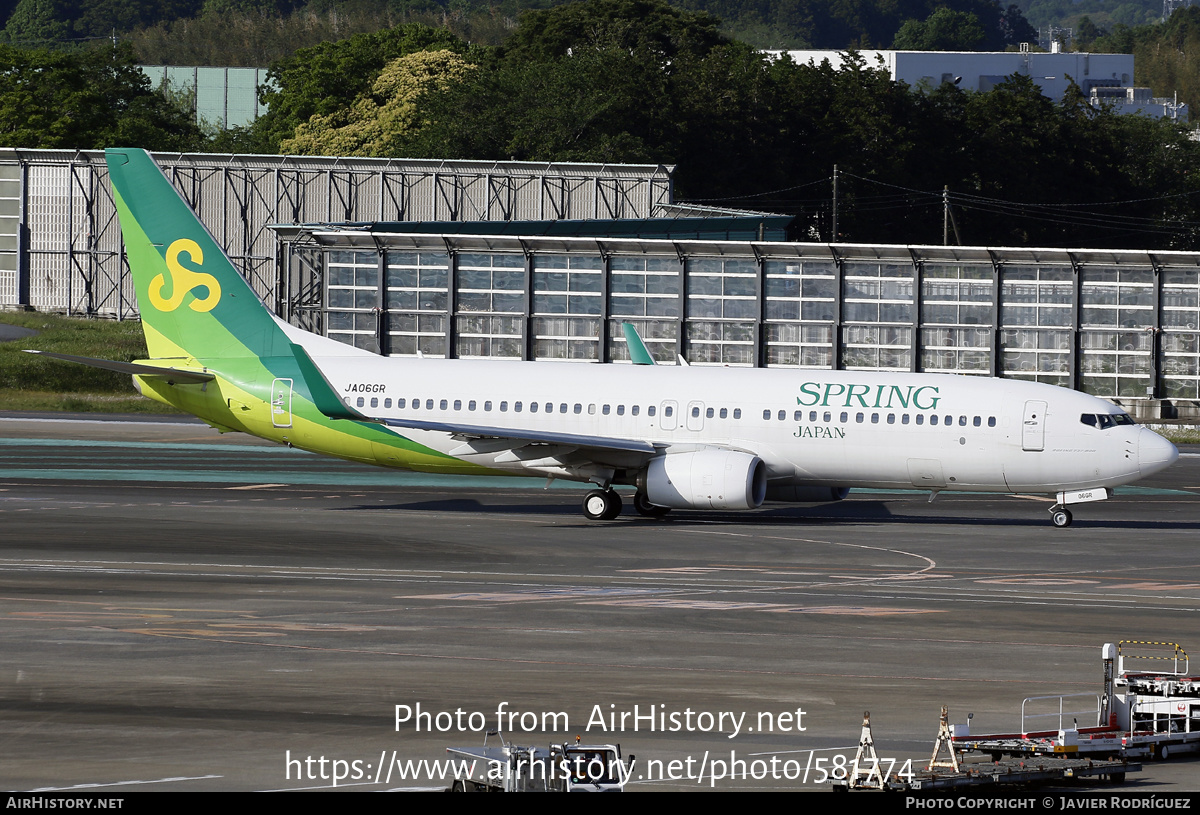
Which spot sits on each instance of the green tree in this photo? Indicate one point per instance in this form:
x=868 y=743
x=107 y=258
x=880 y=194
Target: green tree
x=944 y=30
x=86 y=100
x=383 y=121
x=43 y=22
x=322 y=80
x=652 y=26
x=1087 y=32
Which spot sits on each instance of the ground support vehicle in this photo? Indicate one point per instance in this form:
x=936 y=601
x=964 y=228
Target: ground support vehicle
x=1149 y=708
x=558 y=768
x=955 y=773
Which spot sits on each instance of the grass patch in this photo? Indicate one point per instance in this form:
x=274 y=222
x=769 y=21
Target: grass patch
x=30 y=382
x=40 y=401
x=1178 y=435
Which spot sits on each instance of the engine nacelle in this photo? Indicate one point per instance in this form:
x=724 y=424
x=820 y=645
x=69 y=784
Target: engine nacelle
x=806 y=495
x=706 y=479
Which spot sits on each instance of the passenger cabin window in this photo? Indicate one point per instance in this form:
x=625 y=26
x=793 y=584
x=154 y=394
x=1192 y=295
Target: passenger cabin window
x=766 y=413
x=737 y=413
x=650 y=410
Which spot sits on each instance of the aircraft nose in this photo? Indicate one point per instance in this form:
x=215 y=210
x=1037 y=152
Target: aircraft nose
x=1154 y=453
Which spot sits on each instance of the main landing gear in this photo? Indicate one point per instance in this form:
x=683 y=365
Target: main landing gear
x=601 y=505
x=1060 y=516
x=649 y=510
x=604 y=505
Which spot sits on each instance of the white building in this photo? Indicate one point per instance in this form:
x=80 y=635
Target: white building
x=983 y=70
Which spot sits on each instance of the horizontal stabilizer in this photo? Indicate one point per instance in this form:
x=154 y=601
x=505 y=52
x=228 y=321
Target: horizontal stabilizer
x=189 y=375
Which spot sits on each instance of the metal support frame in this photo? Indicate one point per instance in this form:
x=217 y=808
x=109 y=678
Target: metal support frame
x=996 y=347
x=836 y=339
x=1073 y=366
x=240 y=197
x=914 y=343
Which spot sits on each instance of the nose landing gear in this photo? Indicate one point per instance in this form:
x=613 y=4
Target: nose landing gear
x=1060 y=516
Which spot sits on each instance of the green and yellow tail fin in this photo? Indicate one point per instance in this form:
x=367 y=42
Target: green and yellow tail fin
x=193 y=302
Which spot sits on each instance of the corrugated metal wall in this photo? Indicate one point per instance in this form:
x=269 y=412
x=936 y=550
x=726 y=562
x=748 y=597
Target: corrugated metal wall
x=60 y=246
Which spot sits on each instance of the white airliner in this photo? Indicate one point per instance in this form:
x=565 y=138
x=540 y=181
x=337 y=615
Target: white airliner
x=684 y=437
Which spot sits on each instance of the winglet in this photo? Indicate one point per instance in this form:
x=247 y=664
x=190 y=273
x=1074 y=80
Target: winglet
x=638 y=352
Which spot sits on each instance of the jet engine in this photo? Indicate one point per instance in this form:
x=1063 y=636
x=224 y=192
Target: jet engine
x=706 y=479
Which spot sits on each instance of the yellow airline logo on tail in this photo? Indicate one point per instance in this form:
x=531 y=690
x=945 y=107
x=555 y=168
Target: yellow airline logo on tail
x=184 y=280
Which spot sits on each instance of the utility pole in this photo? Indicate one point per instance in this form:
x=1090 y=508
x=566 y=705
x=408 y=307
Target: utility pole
x=948 y=219
x=946 y=215
x=833 y=237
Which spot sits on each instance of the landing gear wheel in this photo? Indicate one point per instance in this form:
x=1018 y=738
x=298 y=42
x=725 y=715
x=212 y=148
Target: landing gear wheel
x=1061 y=517
x=601 y=505
x=644 y=507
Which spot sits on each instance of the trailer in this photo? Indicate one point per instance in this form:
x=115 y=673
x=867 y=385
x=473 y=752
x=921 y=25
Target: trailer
x=946 y=770
x=557 y=768
x=1149 y=707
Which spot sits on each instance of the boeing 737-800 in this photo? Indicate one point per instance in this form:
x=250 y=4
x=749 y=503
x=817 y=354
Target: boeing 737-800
x=684 y=437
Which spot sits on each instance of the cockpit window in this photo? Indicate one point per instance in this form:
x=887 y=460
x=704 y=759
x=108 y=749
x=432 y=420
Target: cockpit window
x=1104 y=421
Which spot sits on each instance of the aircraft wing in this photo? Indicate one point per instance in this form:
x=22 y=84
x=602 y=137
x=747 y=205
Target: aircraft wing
x=471 y=432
